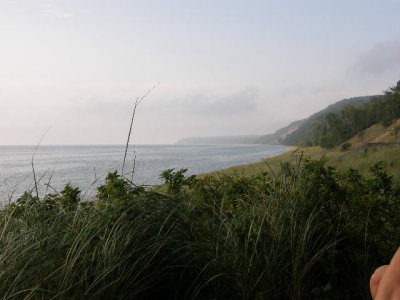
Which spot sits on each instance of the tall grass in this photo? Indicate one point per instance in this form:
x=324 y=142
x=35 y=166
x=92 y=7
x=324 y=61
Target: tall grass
x=362 y=161
x=304 y=232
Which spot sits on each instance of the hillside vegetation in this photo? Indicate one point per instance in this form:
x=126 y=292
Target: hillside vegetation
x=353 y=155
x=333 y=128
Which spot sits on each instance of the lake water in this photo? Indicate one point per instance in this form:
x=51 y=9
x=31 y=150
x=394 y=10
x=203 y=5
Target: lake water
x=86 y=166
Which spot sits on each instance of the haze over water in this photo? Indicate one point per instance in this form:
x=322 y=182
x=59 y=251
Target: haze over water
x=223 y=67
x=87 y=166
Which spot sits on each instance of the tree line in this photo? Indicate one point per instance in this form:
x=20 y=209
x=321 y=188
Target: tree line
x=333 y=128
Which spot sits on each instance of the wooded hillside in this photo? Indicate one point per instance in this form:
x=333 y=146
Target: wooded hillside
x=331 y=128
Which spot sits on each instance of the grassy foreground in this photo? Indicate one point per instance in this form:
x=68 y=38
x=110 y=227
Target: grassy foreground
x=303 y=231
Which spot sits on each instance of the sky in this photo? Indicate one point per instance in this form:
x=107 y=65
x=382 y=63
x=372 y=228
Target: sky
x=74 y=68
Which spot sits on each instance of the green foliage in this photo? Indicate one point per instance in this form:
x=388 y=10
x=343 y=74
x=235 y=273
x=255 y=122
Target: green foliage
x=27 y=200
x=332 y=127
x=68 y=198
x=305 y=232
x=116 y=189
x=363 y=161
x=176 y=180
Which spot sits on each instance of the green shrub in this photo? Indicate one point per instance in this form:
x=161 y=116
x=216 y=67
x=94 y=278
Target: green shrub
x=176 y=180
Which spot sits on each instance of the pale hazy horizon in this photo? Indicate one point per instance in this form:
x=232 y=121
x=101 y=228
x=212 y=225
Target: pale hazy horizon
x=221 y=67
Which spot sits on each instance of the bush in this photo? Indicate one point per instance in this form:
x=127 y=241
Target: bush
x=176 y=180
x=308 y=232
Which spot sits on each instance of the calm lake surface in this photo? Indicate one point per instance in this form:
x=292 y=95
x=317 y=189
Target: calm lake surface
x=86 y=166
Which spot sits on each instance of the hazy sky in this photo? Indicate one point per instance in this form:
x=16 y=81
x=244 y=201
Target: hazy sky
x=223 y=67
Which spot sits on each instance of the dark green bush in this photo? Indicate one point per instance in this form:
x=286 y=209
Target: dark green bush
x=176 y=180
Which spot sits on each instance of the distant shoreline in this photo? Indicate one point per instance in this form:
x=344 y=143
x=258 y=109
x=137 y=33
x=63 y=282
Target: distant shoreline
x=250 y=166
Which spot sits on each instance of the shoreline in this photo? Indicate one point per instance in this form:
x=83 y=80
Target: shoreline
x=252 y=168
x=69 y=163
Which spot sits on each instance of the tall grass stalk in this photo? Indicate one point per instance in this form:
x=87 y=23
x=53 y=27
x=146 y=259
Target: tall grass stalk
x=137 y=102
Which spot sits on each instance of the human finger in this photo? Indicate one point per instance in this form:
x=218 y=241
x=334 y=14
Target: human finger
x=376 y=279
x=389 y=285
x=395 y=262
